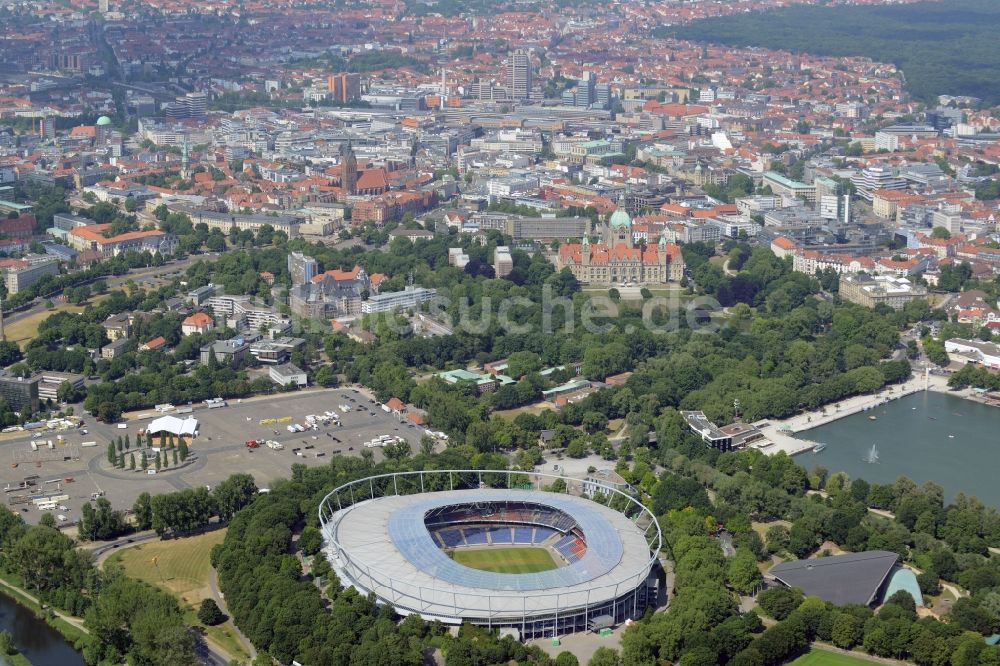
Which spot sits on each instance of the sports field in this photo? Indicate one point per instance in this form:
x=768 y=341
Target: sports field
x=817 y=657
x=506 y=560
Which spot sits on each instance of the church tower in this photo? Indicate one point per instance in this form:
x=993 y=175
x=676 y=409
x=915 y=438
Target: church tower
x=185 y=160
x=349 y=171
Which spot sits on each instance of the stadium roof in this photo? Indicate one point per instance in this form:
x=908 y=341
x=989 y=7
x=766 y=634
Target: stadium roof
x=385 y=548
x=412 y=538
x=854 y=578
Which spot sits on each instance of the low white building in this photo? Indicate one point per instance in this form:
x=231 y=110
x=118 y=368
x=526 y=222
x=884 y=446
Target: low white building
x=397 y=300
x=457 y=257
x=986 y=354
x=286 y=374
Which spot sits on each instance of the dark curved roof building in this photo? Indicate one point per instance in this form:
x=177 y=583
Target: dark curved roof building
x=855 y=578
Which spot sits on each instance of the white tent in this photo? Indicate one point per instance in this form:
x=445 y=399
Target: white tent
x=174 y=426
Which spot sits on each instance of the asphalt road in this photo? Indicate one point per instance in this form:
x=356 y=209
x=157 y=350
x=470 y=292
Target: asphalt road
x=106 y=548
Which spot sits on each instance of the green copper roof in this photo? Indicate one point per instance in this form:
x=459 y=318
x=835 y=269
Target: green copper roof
x=620 y=218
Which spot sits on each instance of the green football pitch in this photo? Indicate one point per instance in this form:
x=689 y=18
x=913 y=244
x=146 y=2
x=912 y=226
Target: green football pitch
x=817 y=657
x=506 y=560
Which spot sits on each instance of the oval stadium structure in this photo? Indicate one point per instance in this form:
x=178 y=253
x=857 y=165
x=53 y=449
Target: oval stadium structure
x=495 y=549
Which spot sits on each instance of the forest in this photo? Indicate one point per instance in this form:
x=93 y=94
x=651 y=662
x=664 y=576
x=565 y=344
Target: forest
x=942 y=47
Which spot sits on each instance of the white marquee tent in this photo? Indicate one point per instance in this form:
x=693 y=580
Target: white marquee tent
x=174 y=426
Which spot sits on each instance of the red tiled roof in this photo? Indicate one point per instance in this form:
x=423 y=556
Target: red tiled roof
x=155 y=343
x=373 y=179
x=94 y=234
x=338 y=274
x=199 y=319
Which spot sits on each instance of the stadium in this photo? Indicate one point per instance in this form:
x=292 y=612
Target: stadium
x=494 y=548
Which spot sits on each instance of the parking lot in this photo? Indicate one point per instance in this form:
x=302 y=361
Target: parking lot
x=218 y=451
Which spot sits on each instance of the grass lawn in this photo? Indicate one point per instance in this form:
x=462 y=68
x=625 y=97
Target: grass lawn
x=26 y=329
x=182 y=568
x=817 y=657
x=506 y=560
x=182 y=565
x=762 y=528
x=536 y=408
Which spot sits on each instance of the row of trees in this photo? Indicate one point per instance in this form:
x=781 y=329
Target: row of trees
x=185 y=511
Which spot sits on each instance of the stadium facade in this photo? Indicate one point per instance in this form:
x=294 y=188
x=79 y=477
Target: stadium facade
x=391 y=535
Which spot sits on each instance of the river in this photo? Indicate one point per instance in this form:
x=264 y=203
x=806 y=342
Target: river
x=927 y=436
x=40 y=643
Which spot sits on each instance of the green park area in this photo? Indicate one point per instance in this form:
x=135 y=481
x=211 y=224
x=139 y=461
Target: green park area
x=24 y=330
x=182 y=567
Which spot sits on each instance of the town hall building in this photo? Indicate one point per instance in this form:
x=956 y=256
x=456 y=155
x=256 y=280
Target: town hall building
x=618 y=261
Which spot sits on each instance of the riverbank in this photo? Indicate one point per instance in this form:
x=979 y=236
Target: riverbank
x=71 y=628
x=42 y=636
x=786 y=434
x=16 y=659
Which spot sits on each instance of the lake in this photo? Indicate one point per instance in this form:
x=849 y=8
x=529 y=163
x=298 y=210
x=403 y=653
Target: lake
x=40 y=643
x=927 y=436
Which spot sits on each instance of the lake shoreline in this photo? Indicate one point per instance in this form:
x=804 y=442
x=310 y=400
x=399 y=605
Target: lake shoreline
x=933 y=435
x=786 y=434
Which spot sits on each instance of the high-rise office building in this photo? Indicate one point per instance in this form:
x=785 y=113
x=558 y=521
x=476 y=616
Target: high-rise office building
x=20 y=394
x=519 y=74
x=588 y=93
x=196 y=104
x=585 y=87
x=344 y=87
x=301 y=268
x=189 y=105
x=48 y=127
x=602 y=95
